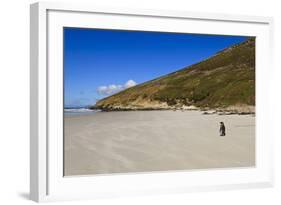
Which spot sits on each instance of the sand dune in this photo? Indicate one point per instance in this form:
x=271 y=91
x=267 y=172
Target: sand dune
x=144 y=141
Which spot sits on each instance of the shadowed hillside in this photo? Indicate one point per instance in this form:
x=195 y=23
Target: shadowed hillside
x=225 y=81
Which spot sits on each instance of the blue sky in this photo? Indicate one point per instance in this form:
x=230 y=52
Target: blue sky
x=98 y=63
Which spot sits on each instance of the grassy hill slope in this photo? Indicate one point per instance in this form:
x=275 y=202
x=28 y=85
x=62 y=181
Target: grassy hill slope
x=223 y=81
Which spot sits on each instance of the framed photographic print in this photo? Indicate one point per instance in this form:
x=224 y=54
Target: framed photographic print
x=130 y=102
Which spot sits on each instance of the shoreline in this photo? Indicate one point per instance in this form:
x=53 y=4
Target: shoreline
x=203 y=110
x=241 y=109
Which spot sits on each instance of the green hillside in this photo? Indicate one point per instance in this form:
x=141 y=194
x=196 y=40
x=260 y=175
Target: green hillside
x=222 y=81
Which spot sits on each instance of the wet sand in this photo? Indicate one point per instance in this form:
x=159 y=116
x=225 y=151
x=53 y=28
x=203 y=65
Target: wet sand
x=145 y=141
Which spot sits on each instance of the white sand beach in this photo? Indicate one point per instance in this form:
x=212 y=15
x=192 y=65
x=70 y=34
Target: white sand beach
x=145 y=141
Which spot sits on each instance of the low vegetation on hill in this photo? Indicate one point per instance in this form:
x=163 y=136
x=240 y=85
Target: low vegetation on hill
x=225 y=81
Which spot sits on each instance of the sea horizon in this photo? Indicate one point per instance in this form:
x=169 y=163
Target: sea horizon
x=78 y=110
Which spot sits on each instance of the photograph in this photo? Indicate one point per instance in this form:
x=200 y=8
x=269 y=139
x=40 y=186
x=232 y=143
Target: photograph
x=152 y=101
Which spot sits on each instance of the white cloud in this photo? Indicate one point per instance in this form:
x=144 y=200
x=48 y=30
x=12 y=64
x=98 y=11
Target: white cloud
x=108 y=90
x=111 y=89
x=130 y=83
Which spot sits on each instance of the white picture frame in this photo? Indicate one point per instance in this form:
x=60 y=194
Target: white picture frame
x=46 y=176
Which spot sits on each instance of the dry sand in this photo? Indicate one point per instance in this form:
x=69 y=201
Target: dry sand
x=144 y=141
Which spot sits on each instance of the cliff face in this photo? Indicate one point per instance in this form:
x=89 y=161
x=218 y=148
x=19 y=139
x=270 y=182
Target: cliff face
x=224 y=81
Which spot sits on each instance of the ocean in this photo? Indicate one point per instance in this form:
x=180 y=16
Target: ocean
x=79 y=111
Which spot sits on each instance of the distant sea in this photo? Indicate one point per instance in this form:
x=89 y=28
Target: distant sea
x=79 y=111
